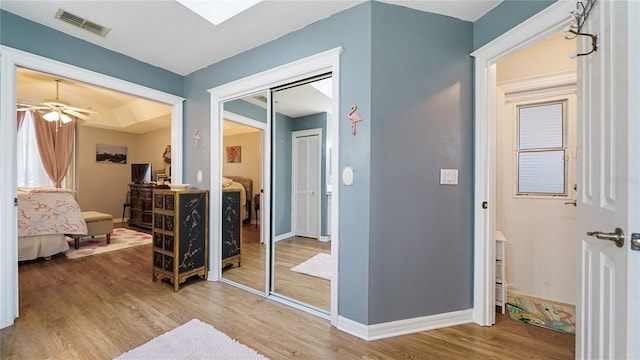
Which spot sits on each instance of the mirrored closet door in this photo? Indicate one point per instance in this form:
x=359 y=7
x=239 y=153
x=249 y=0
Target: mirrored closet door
x=244 y=251
x=300 y=239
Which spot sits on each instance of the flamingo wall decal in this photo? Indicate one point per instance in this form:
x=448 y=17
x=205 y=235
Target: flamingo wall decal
x=355 y=118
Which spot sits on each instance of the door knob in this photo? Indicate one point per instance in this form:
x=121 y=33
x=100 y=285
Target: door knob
x=617 y=236
x=574 y=203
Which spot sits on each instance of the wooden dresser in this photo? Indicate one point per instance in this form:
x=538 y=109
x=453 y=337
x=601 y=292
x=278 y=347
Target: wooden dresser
x=142 y=205
x=180 y=235
x=231 y=228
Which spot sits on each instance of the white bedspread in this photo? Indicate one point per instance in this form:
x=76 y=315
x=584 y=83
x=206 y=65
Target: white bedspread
x=49 y=211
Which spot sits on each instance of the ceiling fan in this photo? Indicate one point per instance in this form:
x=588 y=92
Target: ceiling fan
x=58 y=110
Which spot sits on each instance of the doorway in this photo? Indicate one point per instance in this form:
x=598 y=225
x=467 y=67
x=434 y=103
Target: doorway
x=11 y=59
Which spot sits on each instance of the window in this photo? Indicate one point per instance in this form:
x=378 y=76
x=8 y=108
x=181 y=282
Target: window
x=30 y=171
x=541 y=146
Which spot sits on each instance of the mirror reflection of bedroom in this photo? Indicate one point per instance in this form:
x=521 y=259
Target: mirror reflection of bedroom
x=290 y=258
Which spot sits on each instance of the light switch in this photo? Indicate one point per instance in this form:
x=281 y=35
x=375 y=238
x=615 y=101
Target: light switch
x=199 y=176
x=449 y=176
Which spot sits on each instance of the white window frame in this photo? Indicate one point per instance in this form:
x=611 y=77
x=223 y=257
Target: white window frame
x=564 y=148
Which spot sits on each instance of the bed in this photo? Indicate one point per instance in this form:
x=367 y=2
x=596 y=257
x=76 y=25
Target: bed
x=45 y=215
x=245 y=185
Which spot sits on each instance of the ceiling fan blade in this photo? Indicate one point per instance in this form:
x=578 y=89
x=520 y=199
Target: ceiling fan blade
x=57 y=103
x=77 y=109
x=31 y=107
x=77 y=114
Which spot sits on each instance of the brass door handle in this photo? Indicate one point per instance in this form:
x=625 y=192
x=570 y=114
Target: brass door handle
x=617 y=236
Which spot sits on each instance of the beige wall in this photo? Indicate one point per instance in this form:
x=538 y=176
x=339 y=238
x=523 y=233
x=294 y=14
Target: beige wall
x=546 y=57
x=103 y=187
x=152 y=145
x=251 y=158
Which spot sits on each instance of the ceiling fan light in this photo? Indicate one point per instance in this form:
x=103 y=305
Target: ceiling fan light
x=65 y=119
x=51 y=116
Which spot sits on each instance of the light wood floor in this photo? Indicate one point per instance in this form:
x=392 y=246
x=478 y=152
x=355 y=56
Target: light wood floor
x=289 y=253
x=101 y=306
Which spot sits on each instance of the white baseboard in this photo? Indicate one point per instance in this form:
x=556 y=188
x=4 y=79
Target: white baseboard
x=403 y=327
x=284 y=236
x=324 y=238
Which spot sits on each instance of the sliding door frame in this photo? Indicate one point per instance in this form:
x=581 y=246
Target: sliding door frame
x=325 y=62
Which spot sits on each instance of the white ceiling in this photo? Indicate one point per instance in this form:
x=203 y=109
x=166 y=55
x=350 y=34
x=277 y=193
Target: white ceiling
x=168 y=35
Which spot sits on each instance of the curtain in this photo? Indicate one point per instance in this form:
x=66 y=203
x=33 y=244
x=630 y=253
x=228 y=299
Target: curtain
x=21 y=115
x=55 y=144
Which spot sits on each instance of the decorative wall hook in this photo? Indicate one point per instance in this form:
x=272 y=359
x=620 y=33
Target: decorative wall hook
x=594 y=43
x=355 y=118
x=573 y=30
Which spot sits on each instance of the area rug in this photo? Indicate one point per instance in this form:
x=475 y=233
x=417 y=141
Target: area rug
x=120 y=239
x=544 y=314
x=319 y=266
x=193 y=340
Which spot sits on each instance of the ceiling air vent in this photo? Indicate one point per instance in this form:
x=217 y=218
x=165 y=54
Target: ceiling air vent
x=82 y=23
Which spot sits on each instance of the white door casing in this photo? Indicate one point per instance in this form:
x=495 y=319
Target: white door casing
x=608 y=190
x=305 y=196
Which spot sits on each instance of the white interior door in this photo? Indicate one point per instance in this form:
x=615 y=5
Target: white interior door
x=608 y=190
x=307 y=148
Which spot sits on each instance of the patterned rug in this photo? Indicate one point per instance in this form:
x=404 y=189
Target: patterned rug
x=544 y=314
x=120 y=239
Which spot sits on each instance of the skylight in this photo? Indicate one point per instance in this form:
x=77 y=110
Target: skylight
x=218 y=11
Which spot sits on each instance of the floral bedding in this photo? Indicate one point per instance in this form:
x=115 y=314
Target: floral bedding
x=49 y=211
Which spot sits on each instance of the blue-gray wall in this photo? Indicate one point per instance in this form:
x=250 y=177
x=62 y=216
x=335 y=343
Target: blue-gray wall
x=22 y=34
x=281 y=172
x=421 y=242
x=504 y=17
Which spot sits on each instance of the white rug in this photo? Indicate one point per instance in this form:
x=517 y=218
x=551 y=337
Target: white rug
x=193 y=340
x=319 y=266
x=121 y=238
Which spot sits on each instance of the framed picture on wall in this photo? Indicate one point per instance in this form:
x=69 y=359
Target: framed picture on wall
x=111 y=154
x=234 y=154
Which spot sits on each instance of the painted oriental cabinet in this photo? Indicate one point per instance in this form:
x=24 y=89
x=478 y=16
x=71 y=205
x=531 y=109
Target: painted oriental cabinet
x=180 y=235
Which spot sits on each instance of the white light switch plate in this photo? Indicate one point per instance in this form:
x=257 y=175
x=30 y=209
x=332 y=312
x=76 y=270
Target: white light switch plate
x=347 y=176
x=449 y=176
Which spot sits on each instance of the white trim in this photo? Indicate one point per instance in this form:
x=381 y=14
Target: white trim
x=403 y=327
x=11 y=58
x=294 y=161
x=324 y=238
x=328 y=61
x=228 y=115
x=539 y=26
x=544 y=81
x=283 y=236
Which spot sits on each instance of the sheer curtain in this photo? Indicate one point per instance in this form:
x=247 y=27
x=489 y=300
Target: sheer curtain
x=44 y=153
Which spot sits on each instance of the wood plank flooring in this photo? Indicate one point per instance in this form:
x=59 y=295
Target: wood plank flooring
x=101 y=306
x=289 y=253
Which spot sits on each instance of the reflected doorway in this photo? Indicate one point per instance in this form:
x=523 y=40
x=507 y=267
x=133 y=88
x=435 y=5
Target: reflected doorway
x=244 y=252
